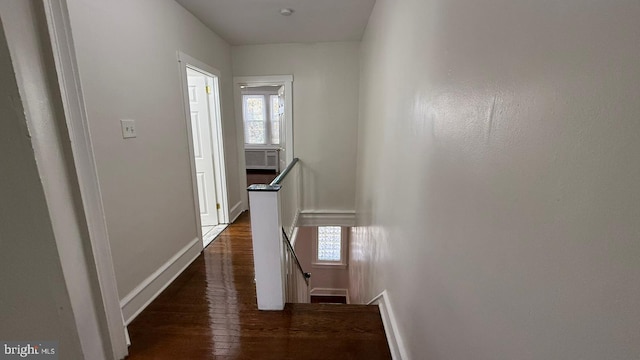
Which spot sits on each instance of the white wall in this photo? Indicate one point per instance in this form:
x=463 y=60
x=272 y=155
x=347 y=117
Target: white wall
x=497 y=183
x=48 y=291
x=325 y=111
x=127 y=56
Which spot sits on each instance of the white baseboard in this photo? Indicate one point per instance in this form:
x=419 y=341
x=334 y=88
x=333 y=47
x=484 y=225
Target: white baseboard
x=140 y=297
x=330 y=292
x=327 y=218
x=396 y=345
x=235 y=211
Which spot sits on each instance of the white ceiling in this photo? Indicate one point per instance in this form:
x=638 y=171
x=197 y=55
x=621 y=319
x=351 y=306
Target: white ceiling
x=243 y=22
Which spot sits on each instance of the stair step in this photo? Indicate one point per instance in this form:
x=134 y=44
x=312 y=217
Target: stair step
x=334 y=308
x=328 y=320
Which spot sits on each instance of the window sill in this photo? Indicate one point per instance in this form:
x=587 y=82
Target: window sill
x=317 y=265
x=261 y=147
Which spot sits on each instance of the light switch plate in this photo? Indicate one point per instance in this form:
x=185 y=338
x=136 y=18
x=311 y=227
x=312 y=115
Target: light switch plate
x=128 y=128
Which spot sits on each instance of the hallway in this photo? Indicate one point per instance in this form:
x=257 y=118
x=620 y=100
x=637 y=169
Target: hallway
x=210 y=312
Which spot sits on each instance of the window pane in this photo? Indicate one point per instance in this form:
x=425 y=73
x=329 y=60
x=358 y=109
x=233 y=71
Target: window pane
x=254 y=111
x=254 y=108
x=275 y=119
x=275 y=132
x=275 y=105
x=255 y=132
x=329 y=243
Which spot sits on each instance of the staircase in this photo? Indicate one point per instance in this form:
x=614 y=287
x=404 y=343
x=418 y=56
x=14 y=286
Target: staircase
x=210 y=312
x=349 y=331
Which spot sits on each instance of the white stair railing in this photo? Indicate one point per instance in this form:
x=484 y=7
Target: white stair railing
x=297 y=280
x=274 y=210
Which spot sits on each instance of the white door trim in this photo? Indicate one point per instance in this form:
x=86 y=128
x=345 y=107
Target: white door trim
x=185 y=61
x=287 y=81
x=64 y=55
x=199 y=105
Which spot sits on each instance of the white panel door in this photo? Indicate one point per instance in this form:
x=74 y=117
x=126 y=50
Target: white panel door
x=202 y=147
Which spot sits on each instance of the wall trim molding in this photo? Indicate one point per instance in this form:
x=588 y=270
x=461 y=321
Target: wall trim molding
x=235 y=212
x=396 y=345
x=143 y=294
x=327 y=218
x=330 y=292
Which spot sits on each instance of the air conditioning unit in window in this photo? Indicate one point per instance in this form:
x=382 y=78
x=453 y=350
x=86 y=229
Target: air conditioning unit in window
x=262 y=159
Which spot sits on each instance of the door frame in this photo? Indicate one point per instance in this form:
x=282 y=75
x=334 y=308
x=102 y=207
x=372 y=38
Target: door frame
x=266 y=80
x=185 y=61
x=202 y=84
x=68 y=82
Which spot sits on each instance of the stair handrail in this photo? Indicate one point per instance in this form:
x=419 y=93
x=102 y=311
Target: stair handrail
x=284 y=173
x=306 y=275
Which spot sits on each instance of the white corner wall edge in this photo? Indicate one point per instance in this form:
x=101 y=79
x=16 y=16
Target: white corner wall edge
x=296 y=220
x=294 y=236
x=327 y=218
x=140 y=297
x=396 y=345
x=235 y=212
x=292 y=230
x=62 y=47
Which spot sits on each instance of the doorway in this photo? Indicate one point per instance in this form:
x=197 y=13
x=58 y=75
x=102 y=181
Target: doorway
x=264 y=116
x=204 y=127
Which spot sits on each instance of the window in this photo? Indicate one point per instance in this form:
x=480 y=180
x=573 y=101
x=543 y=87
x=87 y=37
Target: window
x=254 y=111
x=330 y=246
x=275 y=119
x=258 y=129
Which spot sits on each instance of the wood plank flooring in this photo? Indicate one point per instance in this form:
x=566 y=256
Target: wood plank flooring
x=260 y=176
x=210 y=312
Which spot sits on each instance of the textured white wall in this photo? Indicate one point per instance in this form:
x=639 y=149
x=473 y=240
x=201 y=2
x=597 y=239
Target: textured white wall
x=497 y=182
x=127 y=56
x=41 y=254
x=325 y=112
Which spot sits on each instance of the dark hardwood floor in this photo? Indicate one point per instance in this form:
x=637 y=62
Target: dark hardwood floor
x=260 y=176
x=210 y=312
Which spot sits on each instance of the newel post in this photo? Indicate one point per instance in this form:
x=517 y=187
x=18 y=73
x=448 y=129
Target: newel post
x=266 y=229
